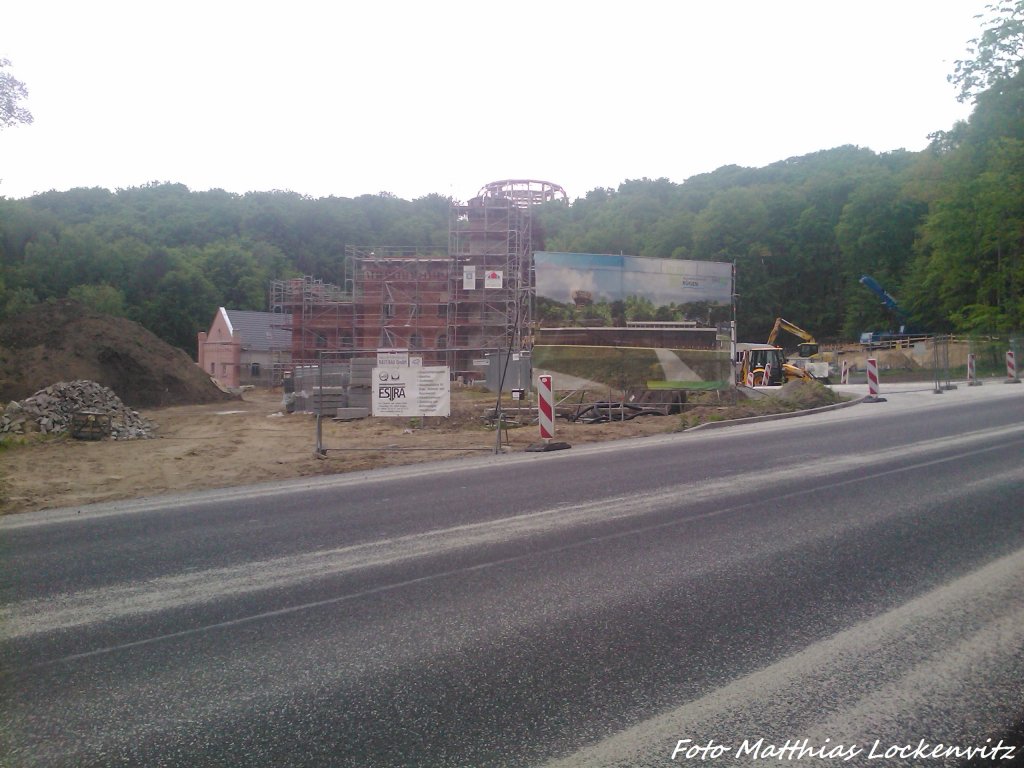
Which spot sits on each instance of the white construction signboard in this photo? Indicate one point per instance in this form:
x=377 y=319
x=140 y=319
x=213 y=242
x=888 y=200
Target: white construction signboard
x=412 y=391
x=392 y=356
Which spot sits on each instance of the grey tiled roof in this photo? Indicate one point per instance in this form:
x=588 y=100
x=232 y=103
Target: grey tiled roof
x=261 y=331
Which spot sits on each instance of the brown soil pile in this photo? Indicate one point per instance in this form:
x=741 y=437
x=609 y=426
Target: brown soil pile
x=797 y=395
x=806 y=394
x=62 y=340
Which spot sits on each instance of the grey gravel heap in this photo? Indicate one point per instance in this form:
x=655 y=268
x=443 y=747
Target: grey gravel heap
x=50 y=410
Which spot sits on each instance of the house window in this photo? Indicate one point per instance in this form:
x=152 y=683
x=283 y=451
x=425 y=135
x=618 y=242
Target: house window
x=213 y=367
x=415 y=341
x=254 y=370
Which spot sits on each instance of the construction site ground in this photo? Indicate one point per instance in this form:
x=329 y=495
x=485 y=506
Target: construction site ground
x=253 y=440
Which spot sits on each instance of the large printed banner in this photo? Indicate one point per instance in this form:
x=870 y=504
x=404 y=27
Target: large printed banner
x=411 y=391
x=592 y=279
x=600 y=368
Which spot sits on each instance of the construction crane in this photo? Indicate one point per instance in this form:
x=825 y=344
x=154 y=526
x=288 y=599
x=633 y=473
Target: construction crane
x=871 y=337
x=872 y=285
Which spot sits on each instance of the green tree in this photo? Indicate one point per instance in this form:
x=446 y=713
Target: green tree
x=994 y=56
x=876 y=235
x=967 y=273
x=235 y=272
x=101 y=298
x=18 y=300
x=182 y=305
x=974 y=270
x=639 y=308
x=12 y=92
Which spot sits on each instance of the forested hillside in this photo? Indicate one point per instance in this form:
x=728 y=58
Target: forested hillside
x=942 y=230
x=168 y=257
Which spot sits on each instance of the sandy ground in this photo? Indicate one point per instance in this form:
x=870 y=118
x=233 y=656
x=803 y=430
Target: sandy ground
x=254 y=441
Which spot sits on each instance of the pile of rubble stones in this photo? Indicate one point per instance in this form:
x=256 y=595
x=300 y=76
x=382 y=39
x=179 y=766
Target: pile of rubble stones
x=50 y=410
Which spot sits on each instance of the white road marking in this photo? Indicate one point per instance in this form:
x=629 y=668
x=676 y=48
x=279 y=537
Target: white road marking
x=89 y=606
x=863 y=684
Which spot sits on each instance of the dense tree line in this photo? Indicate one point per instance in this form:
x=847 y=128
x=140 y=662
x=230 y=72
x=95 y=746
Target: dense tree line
x=942 y=229
x=168 y=257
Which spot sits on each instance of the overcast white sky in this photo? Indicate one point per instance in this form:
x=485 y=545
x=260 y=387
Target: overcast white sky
x=347 y=98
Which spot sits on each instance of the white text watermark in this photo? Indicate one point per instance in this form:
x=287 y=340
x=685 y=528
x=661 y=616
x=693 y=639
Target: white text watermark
x=803 y=749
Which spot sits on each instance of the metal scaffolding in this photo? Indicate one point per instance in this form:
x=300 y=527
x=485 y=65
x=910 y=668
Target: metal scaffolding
x=318 y=315
x=401 y=297
x=491 y=267
x=449 y=308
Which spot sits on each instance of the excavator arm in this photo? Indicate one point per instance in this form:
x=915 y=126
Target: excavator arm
x=809 y=345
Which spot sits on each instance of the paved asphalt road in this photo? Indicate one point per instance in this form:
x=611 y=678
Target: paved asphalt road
x=854 y=579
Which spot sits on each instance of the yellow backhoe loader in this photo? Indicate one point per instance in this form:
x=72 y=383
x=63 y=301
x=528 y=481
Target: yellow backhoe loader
x=761 y=365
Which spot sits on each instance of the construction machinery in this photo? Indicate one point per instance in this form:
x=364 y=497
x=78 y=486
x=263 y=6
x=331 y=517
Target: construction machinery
x=754 y=359
x=873 y=338
x=807 y=348
x=762 y=365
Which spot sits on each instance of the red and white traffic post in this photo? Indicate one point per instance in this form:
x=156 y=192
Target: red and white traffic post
x=972 y=371
x=1011 y=368
x=844 y=377
x=545 y=407
x=873 y=388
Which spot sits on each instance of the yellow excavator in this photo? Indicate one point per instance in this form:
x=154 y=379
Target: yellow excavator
x=806 y=348
x=755 y=359
x=802 y=367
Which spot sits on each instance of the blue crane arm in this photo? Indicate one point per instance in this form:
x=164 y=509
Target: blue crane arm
x=871 y=284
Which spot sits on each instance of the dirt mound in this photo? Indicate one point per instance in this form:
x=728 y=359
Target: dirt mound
x=62 y=340
x=806 y=394
x=797 y=395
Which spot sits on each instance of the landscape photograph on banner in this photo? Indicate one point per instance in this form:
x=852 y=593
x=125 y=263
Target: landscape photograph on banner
x=629 y=322
x=594 y=289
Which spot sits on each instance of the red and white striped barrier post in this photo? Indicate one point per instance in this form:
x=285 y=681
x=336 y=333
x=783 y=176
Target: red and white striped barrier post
x=546 y=416
x=1011 y=368
x=972 y=371
x=873 y=388
x=766 y=377
x=545 y=407
x=844 y=377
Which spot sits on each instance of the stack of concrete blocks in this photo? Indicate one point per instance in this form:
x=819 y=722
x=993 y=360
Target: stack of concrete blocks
x=360 y=382
x=323 y=392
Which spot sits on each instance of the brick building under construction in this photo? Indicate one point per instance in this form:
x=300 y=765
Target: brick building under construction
x=449 y=308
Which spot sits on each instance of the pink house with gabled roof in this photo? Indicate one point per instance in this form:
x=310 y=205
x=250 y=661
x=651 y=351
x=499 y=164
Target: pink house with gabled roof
x=242 y=347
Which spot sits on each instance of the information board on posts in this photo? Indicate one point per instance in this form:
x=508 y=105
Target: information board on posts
x=411 y=391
